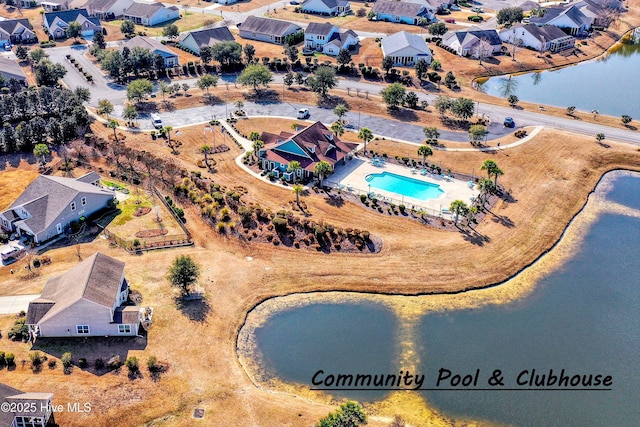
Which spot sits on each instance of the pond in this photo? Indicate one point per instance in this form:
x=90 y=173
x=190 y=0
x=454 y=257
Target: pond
x=582 y=318
x=609 y=84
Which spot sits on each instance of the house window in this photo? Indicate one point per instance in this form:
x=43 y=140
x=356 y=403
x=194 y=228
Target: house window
x=83 y=201
x=59 y=228
x=82 y=329
x=73 y=206
x=124 y=329
x=28 y=422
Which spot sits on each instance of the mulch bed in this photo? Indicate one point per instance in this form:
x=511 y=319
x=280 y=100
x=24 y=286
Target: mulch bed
x=152 y=233
x=142 y=211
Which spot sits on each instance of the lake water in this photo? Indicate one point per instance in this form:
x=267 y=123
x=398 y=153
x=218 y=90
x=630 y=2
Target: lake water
x=609 y=85
x=582 y=317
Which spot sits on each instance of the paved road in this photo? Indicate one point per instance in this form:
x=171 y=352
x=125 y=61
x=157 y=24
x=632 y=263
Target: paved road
x=15 y=303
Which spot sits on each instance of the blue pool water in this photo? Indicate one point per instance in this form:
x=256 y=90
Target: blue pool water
x=404 y=185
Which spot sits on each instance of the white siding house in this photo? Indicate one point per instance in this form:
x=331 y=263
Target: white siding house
x=405 y=49
x=88 y=300
x=151 y=14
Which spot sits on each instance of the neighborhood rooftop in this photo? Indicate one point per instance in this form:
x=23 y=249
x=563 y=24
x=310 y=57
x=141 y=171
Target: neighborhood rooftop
x=260 y=25
x=146 y=10
x=210 y=36
x=96 y=279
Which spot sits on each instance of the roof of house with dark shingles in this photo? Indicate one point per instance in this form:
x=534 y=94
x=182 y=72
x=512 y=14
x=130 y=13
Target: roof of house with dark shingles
x=44 y=209
x=464 y=36
x=127 y=314
x=572 y=12
x=545 y=33
x=69 y=16
x=398 y=8
x=10 y=25
x=322 y=29
x=275 y=27
x=331 y=4
x=89 y=177
x=100 y=5
x=96 y=279
x=210 y=36
x=402 y=40
x=314 y=143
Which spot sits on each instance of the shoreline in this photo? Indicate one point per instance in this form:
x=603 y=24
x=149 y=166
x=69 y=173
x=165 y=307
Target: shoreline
x=408 y=308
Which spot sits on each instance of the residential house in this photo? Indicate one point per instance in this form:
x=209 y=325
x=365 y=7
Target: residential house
x=10 y=69
x=402 y=12
x=226 y=2
x=16 y=31
x=169 y=56
x=108 y=9
x=49 y=204
x=150 y=14
x=308 y=146
x=600 y=11
x=327 y=38
x=467 y=42
x=194 y=40
x=36 y=408
x=405 y=49
x=570 y=19
x=542 y=39
x=56 y=23
x=55 y=5
x=326 y=7
x=88 y=300
x=268 y=30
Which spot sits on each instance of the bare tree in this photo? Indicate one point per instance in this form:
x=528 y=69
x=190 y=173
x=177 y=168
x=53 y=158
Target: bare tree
x=482 y=49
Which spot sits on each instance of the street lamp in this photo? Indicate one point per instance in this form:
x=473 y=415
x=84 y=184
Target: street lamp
x=359 y=108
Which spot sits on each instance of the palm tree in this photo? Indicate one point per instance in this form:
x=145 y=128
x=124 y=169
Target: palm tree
x=113 y=124
x=205 y=149
x=471 y=214
x=41 y=150
x=486 y=187
x=492 y=169
x=340 y=111
x=366 y=135
x=257 y=145
x=167 y=130
x=322 y=169
x=294 y=167
x=424 y=151
x=297 y=190
x=337 y=128
x=458 y=207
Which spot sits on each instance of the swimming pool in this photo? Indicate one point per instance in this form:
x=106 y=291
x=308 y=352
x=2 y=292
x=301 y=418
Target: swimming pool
x=404 y=185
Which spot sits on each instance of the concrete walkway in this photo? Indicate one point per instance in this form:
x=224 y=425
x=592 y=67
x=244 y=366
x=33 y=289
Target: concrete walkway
x=15 y=303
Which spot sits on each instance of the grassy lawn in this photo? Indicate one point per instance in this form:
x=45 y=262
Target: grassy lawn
x=189 y=21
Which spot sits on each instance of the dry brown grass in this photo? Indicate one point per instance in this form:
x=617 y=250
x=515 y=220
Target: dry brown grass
x=548 y=179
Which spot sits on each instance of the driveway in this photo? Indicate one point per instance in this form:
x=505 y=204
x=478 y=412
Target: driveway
x=15 y=303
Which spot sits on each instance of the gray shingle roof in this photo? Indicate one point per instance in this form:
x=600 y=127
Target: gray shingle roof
x=331 y=4
x=11 y=68
x=401 y=40
x=100 y=5
x=69 y=16
x=89 y=177
x=397 y=8
x=210 y=36
x=572 y=12
x=548 y=32
x=10 y=24
x=145 y=10
x=490 y=35
x=322 y=29
x=124 y=315
x=275 y=27
x=147 y=43
x=95 y=279
x=44 y=209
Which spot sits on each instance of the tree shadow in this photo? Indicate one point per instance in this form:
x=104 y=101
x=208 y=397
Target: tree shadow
x=334 y=200
x=169 y=105
x=196 y=310
x=603 y=145
x=331 y=101
x=404 y=115
x=472 y=236
x=502 y=220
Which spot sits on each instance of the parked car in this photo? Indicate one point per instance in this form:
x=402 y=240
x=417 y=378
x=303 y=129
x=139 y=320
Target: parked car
x=12 y=252
x=157 y=121
x=294 y=3
x=509 y=123
x=477 y=9
x=7 y=46
x=450 y=21
x=454 y=7
x=303 y=113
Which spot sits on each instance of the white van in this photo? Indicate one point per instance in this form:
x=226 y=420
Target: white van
x=157 y=121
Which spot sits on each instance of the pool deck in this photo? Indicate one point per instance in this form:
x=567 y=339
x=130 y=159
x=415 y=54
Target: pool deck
x=352 y=178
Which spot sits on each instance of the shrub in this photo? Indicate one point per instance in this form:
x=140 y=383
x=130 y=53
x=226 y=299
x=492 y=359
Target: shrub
x=82 y=363
x=2 y=361
x=152 y=364
x=52 y=364
x=363 y=198
x=19 y=331
x=132 y=364
x=36 y=359
x=67 y=360
x=98 y=363
x=9 y=359
x=280 y=223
